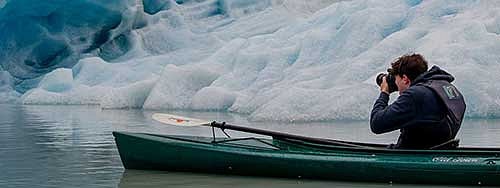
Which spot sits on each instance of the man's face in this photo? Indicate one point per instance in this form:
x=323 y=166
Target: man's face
x=403 y=82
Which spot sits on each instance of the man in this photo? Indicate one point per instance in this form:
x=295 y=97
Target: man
x=428 y=111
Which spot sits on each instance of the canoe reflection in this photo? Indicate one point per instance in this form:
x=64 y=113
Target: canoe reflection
x=147 y=179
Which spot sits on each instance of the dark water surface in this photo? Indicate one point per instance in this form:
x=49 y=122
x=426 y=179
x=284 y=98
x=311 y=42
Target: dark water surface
x=72 y=146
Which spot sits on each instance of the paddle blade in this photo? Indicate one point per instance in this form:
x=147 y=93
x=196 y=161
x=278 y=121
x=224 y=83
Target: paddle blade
x=178 y=120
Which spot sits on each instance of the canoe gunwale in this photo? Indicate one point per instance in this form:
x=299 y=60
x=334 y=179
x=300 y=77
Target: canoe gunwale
x=218 y=140
x=333 y=148
x=459 y=150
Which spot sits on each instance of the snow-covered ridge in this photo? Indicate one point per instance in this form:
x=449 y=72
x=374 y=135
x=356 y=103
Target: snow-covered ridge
x=280 y=60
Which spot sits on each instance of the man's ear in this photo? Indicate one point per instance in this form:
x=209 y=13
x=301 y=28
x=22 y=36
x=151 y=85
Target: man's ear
x=406 y=79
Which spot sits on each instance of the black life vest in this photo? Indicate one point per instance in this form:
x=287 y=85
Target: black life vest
x=452 y=99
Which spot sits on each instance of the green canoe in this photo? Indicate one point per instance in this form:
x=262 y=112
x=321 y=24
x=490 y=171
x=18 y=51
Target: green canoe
x=281 y=157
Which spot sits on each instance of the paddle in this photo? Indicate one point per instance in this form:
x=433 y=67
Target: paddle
x=179 y=120
x=185 y=121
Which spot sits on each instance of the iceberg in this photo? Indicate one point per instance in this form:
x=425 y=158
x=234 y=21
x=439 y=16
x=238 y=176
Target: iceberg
x=7 y=92
x=275 y=60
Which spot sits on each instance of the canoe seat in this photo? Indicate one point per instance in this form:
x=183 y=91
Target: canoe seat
x=450 y=144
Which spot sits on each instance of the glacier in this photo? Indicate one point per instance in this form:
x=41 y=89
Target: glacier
x=275 y=60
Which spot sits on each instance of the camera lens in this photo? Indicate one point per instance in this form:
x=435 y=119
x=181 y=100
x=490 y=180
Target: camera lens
x=379 y=78
x=390 y=79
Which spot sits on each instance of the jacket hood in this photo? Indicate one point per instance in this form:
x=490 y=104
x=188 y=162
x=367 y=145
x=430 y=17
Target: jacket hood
x=435 y=73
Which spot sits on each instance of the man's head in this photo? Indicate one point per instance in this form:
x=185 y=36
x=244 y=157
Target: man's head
x=406 y=68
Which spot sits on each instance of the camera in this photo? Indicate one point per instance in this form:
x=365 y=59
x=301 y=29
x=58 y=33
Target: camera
x=390 y=79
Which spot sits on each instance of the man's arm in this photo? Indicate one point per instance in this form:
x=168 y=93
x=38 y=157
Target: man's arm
x=385 y=118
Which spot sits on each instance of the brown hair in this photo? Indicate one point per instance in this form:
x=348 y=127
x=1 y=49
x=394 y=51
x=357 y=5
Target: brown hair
x=411 y=65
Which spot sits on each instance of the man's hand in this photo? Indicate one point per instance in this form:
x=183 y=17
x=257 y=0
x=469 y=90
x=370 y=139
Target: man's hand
x=384 y=87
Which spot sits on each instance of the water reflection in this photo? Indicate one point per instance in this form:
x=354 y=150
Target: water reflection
x=150 y=179
x=51 y=146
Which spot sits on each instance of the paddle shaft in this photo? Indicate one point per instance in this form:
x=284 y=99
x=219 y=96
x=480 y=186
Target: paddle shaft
x=281 y=135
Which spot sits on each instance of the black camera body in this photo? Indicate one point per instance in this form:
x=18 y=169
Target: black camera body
x=390 y=79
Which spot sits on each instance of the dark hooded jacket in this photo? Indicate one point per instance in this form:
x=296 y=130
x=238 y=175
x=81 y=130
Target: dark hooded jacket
x=418 y=112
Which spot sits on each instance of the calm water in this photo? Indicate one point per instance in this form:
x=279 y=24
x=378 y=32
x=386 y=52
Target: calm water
x=72 y=146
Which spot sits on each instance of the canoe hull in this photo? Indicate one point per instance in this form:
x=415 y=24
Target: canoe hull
x=198 y=154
